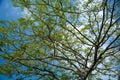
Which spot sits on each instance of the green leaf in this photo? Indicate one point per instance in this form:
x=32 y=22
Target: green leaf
x=87 y=27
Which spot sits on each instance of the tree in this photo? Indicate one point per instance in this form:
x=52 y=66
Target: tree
x=61 y=40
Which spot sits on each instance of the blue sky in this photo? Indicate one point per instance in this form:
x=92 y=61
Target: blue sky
x=8 y=12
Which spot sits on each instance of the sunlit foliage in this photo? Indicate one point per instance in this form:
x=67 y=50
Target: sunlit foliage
x=61 y=40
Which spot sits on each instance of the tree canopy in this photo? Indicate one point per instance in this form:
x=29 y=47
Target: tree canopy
x=61 y=40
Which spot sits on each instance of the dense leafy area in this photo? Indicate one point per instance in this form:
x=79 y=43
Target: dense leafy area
x=61 y=40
